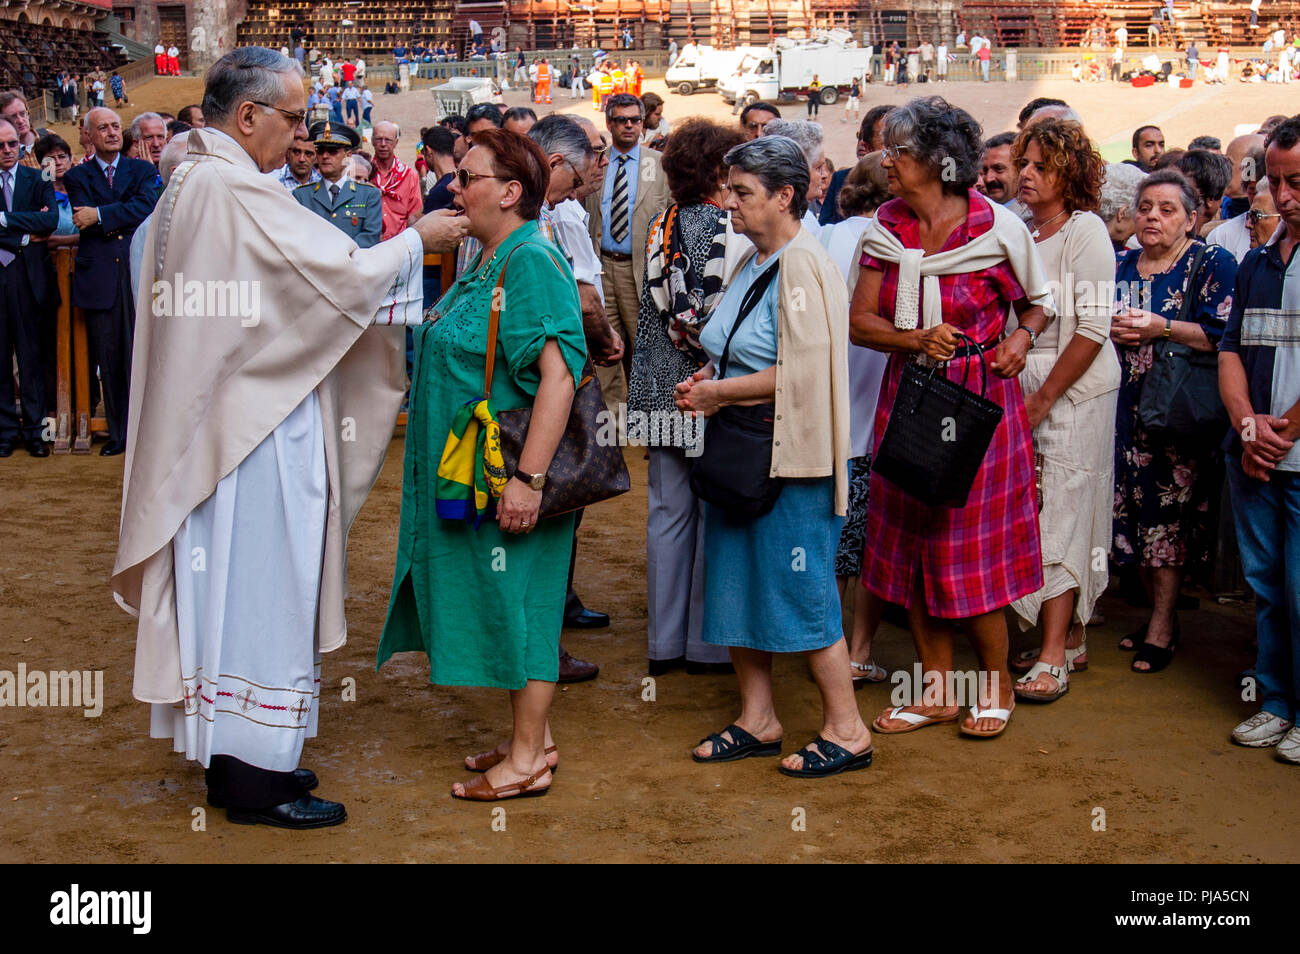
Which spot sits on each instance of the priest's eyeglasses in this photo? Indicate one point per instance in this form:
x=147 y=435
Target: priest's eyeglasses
x=298 y=117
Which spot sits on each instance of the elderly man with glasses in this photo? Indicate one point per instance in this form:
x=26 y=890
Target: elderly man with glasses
x=263 y=404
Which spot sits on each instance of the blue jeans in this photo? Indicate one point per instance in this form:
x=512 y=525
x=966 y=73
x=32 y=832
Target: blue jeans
x=984 y=69
x=1268 y=535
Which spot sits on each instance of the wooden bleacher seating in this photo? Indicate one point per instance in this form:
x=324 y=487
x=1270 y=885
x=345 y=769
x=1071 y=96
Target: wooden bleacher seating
x=33 y=54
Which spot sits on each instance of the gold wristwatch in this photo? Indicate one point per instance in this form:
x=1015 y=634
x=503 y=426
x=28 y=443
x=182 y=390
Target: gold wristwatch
x=535 y=481
x=1169 y=328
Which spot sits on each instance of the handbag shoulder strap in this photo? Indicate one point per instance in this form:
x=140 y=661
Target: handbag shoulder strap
x=494 y=315
x=755 y=291
x=1198 y=256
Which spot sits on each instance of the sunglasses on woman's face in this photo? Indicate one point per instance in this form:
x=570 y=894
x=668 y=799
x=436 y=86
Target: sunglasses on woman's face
x=465 y=177
x=1257 y=216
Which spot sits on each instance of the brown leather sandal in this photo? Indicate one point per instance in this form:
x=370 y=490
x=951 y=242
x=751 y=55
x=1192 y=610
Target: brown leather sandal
x=485 y=760
x=478 y=789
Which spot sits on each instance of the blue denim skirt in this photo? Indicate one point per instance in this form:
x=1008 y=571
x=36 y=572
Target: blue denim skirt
x=769 y=583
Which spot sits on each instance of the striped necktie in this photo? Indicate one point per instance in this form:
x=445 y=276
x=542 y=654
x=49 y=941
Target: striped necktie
x=618 y=204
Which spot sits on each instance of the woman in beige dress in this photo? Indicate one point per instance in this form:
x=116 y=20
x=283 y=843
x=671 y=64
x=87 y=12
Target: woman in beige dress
x=1070 y=381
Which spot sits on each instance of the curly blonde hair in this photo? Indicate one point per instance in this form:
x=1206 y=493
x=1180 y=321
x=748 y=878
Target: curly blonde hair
x=1067 y=150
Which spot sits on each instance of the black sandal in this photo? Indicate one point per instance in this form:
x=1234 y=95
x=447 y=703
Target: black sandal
x=1131 y=642
x=830 y=759
x=741 y=745
x=1157 y=657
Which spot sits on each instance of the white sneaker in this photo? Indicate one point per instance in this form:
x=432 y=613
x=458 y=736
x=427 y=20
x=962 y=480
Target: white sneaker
x=1288 y=750
x=1264 y=729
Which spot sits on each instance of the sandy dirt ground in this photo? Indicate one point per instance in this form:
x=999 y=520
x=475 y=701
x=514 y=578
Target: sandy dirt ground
x=1152 y=753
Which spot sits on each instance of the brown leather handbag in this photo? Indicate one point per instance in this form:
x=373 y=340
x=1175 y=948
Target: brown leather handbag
x=584 y=470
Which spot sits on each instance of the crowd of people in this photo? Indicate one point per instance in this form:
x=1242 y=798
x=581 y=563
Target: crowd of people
x=740 y=293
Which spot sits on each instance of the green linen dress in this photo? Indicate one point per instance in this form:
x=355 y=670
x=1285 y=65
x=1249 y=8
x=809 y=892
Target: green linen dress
x=485 y=606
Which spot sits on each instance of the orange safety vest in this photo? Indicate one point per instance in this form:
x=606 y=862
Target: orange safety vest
x=619 y=80
x=543 y=73
x=637 y=77
x=604 y=82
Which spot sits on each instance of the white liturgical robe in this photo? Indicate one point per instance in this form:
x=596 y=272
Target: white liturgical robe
x=264 y=412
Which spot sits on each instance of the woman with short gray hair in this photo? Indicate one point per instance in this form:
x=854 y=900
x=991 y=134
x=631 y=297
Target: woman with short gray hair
x=1163 y=485
x=946 y=140
x=977 y=262
x=809 y=138
x=1119 y=191
x=777 y=344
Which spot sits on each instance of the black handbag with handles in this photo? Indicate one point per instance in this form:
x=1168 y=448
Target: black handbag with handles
x=938 y=433
x=1180 y=401
x=584 y=470
x=734 y=469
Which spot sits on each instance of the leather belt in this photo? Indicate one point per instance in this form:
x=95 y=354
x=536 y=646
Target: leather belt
x=616 y=256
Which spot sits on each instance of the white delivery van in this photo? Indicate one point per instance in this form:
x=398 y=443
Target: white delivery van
x=786 y=70
x=705 y=69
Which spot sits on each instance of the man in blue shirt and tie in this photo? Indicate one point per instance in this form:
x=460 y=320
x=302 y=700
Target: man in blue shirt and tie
x=635 y=192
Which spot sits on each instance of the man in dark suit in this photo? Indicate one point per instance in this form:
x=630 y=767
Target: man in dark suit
x=26 y=282
x=354 y=207
x=110 y=196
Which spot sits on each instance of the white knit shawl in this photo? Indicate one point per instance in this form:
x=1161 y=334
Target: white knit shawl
x=1008 y=240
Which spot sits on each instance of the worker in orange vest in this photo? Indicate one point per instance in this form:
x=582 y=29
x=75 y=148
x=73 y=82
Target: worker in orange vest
x=636 y=76
x=602 y=87
x=618 y=79
x=544 y=81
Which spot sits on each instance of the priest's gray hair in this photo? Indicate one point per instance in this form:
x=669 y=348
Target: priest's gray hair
x=807 y=134
x=777 y=161
x=245 y=73
x=558 y=133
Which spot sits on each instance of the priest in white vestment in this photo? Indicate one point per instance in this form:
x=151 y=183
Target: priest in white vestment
x=266 y=381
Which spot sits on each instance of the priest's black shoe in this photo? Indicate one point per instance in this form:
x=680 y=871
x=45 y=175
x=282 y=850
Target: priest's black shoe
x=586 y=619
x=305 y=778
x=112 y=448
x=6 y=448
x=38 y=448
x=307 y=812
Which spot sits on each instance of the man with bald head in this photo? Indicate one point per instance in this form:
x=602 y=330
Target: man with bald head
x=25 y=288
x=397 y=182
x=1246 y=154
x=110 y=195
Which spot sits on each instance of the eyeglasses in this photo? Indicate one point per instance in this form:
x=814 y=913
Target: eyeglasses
x=1254 y=215
x=600 y=150
x=298 y=117
x=465 y=177
x=892 y=152
x=577 y=176
x=626 y=120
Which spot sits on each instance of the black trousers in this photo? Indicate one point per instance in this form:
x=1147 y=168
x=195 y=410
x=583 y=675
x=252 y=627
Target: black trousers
x=572 y=604
x=239 y=785
x=111 y=332
x=20 y=334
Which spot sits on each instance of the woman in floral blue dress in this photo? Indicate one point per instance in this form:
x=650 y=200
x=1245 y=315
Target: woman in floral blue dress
x=1163 y=489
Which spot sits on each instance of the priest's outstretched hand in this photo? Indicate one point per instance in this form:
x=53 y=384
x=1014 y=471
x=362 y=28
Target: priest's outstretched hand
x=441 y=231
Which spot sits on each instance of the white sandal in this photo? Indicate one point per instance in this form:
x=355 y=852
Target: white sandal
x=870 y=672
x=1030 y=656
x=914 y=721
x=976 y=713
x=1060 y=673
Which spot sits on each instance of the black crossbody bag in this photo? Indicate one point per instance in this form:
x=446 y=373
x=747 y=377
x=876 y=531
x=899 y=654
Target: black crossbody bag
x=734 y=469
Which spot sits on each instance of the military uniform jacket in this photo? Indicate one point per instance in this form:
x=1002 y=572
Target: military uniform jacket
x=357 y=211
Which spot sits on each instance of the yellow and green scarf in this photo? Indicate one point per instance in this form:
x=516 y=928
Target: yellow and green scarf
x=472 y=473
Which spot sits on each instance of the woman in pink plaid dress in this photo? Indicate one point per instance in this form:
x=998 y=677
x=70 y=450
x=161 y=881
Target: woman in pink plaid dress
x=950 y=563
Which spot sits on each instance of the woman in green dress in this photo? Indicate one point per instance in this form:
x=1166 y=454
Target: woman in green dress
x=485 y=599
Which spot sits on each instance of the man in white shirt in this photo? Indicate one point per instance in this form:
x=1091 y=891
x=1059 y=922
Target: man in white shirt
x=160 y=60
x=941 y=55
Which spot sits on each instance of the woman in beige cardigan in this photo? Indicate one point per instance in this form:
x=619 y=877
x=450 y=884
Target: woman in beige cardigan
x=1071 y=380
x=769 y=581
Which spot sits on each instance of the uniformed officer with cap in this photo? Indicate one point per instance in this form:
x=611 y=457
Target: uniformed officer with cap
x=355 y=207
